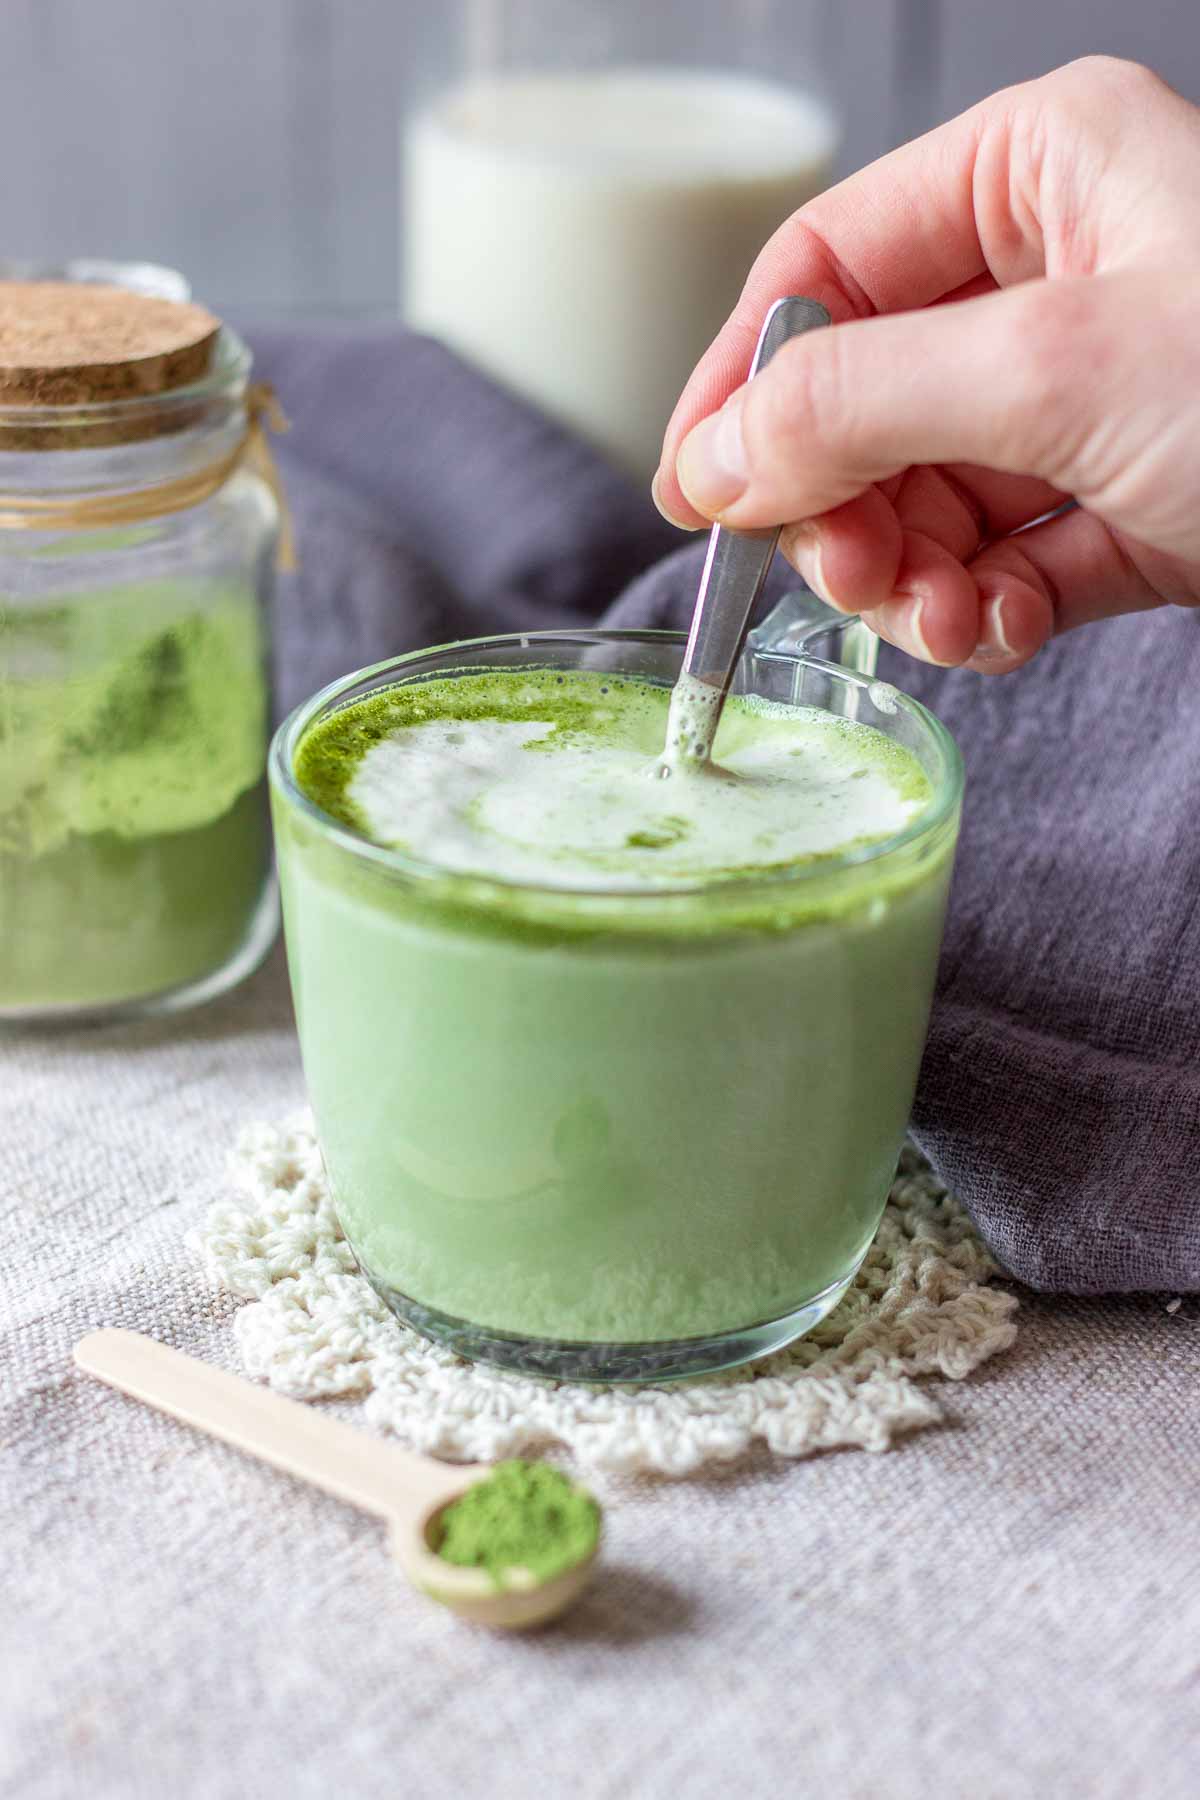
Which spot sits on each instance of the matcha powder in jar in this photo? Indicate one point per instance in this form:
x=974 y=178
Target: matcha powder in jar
x=139 y=526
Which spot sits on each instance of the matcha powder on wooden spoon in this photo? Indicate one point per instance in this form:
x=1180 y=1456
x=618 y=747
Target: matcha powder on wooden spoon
x=524 y=1515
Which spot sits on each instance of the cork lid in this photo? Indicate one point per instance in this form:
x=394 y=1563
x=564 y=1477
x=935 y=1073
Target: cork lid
x=71 y=343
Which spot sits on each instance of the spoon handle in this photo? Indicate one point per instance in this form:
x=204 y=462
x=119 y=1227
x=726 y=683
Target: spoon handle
x=737 y=561
x=298 y=1439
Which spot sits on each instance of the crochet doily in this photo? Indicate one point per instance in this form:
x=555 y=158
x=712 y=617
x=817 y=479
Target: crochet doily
x=920 y=1306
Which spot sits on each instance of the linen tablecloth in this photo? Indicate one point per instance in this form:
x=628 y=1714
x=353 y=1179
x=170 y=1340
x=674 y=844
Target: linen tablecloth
x=1006 y=1606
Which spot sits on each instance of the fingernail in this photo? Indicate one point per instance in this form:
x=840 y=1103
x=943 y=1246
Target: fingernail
x=919 y=640
x=712 y=467
x=664 y=509
x=996 y=619
x=993 y=645
x=805 y=552
x=903 y=622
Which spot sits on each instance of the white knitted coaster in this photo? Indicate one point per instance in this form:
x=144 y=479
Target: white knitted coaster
x=920 y=1306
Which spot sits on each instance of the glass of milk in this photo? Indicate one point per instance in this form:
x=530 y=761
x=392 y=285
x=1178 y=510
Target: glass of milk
x=585 y=190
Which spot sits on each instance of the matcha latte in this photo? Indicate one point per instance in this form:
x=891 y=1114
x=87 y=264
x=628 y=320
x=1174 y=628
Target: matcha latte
x=610 y=1071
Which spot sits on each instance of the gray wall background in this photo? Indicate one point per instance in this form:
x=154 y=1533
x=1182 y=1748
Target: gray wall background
x=253 y=142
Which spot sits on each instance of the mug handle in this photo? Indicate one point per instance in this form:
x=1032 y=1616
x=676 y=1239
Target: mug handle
x=802 y=625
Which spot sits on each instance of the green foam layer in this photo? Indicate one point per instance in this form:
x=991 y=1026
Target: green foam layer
x=576 y=804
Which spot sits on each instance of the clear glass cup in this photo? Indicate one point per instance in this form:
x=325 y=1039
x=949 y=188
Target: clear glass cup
x=585 y=188
x=135 y=854
x=613 y=1137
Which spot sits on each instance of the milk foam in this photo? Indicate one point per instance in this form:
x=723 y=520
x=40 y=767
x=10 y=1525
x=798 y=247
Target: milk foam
x=532 y=801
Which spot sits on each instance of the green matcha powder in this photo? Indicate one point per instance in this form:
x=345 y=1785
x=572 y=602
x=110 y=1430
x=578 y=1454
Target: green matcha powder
x=524 y=1515
x=133 y=827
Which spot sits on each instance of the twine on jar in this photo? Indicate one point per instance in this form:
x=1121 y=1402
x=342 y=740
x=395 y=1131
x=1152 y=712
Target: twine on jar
x=263 y=412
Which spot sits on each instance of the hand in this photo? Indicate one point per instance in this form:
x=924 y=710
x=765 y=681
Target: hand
x=1016 y=306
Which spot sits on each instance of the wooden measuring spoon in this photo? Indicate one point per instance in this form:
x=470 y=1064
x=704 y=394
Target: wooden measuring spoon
x=408 y=1491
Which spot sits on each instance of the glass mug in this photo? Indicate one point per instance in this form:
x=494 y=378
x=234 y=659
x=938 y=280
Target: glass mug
x=614 y=1137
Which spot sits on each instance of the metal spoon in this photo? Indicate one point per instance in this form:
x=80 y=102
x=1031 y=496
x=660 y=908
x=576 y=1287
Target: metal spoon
x=408 y=1491
x=734 y=571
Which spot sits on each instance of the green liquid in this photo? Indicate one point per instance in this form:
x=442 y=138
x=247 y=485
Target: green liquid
x=604 y=1118
x=134 y=834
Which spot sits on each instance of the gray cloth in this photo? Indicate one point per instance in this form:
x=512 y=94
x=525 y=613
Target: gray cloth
x=1059 y=1096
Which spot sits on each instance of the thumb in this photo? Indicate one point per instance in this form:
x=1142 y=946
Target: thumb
x=1013 y=380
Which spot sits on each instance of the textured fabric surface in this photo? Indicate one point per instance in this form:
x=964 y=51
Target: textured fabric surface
x=920 y=1305
x=1060 y=1097
x=1007 y=1605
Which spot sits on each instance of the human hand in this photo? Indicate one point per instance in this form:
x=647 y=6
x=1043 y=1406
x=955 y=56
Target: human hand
x=1016 y=306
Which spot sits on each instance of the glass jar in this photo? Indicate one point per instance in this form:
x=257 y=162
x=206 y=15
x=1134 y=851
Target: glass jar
x=137 y=550
x=153 y=279
x=586 y=187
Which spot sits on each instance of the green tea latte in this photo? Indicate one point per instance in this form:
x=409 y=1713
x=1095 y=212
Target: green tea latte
x=599 y=1057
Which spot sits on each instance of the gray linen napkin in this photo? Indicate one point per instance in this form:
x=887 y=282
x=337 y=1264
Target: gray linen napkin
x=1060 y=1093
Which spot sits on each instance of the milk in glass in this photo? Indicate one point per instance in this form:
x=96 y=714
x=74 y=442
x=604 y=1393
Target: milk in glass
x=582 y=236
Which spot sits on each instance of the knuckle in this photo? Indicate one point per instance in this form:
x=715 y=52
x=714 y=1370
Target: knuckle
x=1098 y=79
